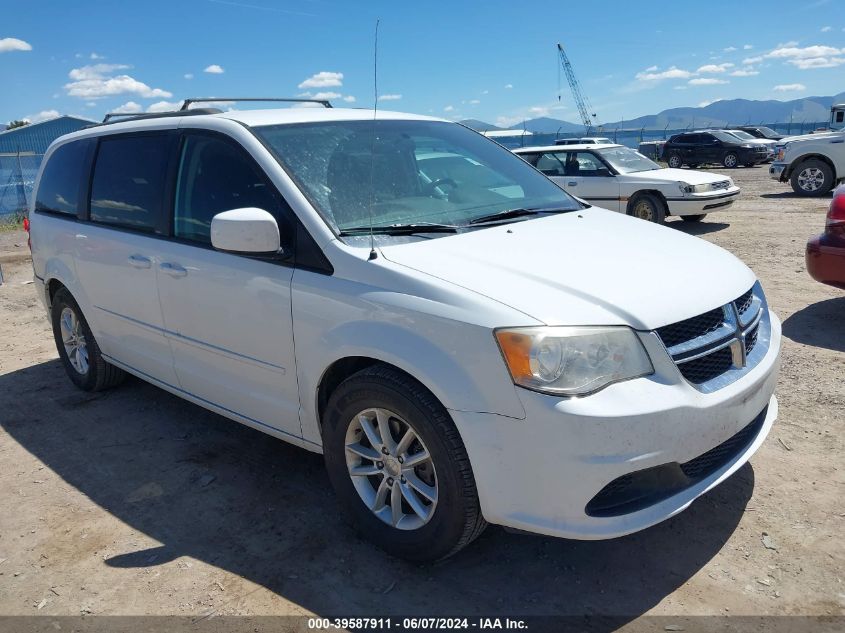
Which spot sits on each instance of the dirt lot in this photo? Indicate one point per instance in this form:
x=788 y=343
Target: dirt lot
x=133 y=501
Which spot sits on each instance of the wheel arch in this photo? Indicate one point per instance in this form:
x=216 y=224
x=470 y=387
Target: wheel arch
x=641 y=192
x=811 y=156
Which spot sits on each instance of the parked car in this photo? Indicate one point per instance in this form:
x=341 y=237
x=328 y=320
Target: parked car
x=826 y=252
x=467 y=348
x=587 y=140
x=759 y=131
x=745 y=137
x=812 y=163
x=711 y=147
x=620 y=179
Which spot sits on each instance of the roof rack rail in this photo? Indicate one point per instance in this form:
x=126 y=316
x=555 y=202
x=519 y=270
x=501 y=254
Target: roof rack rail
x=135 y=116
x=187 y=103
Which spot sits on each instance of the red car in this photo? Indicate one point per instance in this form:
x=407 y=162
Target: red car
x=826 y=252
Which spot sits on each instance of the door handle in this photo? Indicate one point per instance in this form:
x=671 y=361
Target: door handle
x=572 y=183
x=139 y=261
x=174 y=270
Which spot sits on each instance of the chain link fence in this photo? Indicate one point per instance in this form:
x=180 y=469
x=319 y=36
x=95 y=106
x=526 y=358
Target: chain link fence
x=17 y=177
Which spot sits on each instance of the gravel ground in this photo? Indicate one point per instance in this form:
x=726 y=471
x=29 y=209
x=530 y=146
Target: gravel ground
x=133 y=501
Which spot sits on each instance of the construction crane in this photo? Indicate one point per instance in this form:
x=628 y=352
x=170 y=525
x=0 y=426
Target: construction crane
x=588 y=118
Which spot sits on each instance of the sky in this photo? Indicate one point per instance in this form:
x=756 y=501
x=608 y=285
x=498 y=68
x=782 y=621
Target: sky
x=495 y=61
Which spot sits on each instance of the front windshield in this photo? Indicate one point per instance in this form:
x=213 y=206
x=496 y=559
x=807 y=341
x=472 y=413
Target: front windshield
x=411 y=172
x=726 y=137
x=627 y=161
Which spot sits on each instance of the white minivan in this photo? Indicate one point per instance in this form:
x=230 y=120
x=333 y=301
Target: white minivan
x=464 y=341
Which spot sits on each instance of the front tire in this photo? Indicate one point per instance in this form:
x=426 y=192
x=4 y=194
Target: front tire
x=77 y=347
x=646 y=206
x=812 y=178
x=675 y=161
x=694 y=218
x=399 y=467
x=730 y=160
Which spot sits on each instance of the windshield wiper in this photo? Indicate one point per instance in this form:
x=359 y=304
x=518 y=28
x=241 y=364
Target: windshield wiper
x=401 y=229
x=514 y=213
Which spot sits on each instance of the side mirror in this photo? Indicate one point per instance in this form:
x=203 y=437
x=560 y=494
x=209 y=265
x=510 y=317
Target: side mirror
x=248 y=230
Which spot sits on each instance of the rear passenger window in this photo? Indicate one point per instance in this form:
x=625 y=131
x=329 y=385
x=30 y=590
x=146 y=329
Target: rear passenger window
x=215 y=176
x=129 y=179
x=60 y=184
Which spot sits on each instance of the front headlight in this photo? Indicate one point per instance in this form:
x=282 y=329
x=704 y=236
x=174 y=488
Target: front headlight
x=572 y=361
x=687 y=188
x=747 y=146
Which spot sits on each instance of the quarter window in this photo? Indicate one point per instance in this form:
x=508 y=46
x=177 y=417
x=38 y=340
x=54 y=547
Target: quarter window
x=214 y=176
x=129 y=180
x=58 y=191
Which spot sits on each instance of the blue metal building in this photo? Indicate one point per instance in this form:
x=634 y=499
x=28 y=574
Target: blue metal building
x=21 y=151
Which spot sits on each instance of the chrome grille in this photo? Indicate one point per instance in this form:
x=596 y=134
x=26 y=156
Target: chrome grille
x=722 y=184
x=713 y=349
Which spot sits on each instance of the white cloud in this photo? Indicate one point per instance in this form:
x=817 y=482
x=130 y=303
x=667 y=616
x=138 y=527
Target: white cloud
x=94 y=56
x=715 y=68
x=128 y=108
x=680 y=87
x=97 y=81
x=485 y=92
x=670 y=73
x=704 y=104
x=507 y=121
x=389 y=97
x=188 y=75
x=790 y=87
x=44 y=115
x=752 y=60
x=474 y=101
x=214 y=69
x=729 y=49
x=539 y=111
x=747 y=47
x=323 y=79
x=327 y=95
x=449 y=108
x=809 y=57
x=8 y=44
x=349 y=99
x=707 y=81
x=826 y=29
x=745 y=73
x=91 y=104
x=165 y=106
x=508 y=86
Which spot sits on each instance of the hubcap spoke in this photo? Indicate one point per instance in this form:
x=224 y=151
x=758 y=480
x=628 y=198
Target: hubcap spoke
x=406 y=441
x=384 y=430
x=420 y=486
x=411 y=461
x=364 y=451
x=411 y=498
x=369 y=431
x=396 y=505
x=364 y=470
x=381 y=496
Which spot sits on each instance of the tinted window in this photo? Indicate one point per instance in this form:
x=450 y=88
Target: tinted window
x=215 y=176
x=129 y=178
x=58 y=191
x=550 y=164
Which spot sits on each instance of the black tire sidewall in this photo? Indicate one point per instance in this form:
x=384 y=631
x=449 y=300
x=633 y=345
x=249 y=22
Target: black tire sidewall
x=725 y=160
x=62 y=300
x=675 y=156
x=656 y=204
x=828 y=178
x=438 y=537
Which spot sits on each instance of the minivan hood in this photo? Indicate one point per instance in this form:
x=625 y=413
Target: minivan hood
x=679 y=175
x=589 y=267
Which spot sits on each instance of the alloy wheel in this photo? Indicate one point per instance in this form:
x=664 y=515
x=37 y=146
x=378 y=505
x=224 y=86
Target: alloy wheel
x=391 y=469
x=811 y=179
x=73 y=338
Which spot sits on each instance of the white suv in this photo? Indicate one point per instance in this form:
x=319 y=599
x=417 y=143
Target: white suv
x=464 y=341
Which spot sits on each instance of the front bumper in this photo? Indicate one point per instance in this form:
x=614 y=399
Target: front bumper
x=776 y=171
x=696 y=203
x=540 y=473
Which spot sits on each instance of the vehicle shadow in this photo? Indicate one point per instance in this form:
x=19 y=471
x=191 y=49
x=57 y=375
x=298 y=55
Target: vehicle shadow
x=697 y=228
x=820 y=324
x=224 y=494
x=789 y=195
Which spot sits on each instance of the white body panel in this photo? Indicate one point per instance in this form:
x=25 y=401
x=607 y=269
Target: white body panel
x=252 y=339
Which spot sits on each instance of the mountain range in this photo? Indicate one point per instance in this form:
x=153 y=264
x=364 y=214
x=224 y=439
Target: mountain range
x=718 y=113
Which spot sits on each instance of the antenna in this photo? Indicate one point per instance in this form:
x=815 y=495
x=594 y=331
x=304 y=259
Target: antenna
x=373 y=253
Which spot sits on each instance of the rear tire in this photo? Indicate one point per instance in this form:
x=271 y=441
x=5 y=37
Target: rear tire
x=730 y=160
x=77 y=347
x=675 y=161
x=694 y=218
x=373 y=411
x=812 y=178
x=646 y=206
